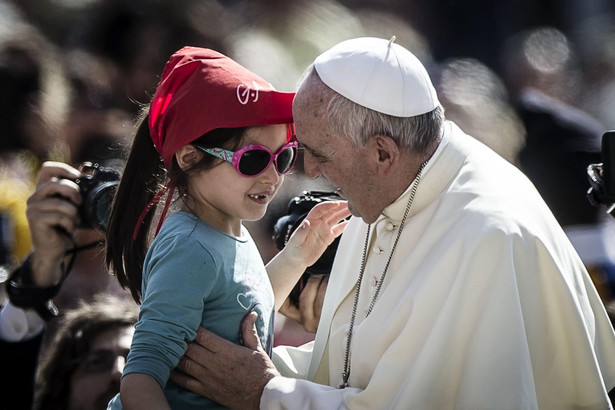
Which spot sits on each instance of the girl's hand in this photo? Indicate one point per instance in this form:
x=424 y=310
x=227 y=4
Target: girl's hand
x=325 y=222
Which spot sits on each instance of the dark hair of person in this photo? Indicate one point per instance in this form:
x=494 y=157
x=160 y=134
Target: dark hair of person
x=144 y=175
x=73 y=339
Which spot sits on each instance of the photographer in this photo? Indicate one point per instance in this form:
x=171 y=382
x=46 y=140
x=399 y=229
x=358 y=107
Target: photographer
x=53 y=213
x=304 y=302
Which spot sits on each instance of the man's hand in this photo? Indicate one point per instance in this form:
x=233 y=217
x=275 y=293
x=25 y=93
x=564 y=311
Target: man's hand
x=232 y=375
x=52 y=213
x=310 y=303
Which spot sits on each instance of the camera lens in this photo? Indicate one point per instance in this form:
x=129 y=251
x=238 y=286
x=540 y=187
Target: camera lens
x=298 y=208
x=98 y=206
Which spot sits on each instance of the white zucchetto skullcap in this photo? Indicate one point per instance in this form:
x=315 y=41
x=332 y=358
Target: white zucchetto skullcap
x=378 y=74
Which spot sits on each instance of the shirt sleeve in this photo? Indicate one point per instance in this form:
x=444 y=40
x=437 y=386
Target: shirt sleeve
x=293 y=361
x=293 y=391
x=287 y=393
x=177 y=279
x=18 y=324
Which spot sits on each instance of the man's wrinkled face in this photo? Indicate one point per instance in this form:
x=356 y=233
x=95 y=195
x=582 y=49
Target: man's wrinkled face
x=331 y=155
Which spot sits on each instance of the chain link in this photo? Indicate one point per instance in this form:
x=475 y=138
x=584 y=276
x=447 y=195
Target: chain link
x=346 y=372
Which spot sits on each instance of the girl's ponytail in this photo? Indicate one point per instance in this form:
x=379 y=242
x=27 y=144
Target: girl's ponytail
x=143 y=176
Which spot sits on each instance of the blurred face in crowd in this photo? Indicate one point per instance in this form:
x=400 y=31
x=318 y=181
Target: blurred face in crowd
x=344 y=165
x=97 y=376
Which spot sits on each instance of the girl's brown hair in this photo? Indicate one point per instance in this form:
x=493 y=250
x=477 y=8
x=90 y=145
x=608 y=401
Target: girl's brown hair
x=143 y=177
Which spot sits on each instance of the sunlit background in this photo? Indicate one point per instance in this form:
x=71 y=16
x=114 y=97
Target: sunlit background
x=533 y=79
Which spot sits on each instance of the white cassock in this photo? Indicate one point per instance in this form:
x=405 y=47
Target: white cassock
x=486 y=304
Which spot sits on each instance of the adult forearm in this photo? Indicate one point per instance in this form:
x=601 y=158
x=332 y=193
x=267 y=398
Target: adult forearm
x=45 y=270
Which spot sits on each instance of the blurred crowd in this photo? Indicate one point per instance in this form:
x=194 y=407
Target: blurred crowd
x=534 y=80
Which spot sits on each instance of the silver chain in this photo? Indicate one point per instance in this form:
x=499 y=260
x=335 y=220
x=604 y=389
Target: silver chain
x=346 y=372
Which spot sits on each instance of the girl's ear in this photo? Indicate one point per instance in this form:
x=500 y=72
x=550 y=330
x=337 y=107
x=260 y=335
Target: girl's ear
x=187 y=156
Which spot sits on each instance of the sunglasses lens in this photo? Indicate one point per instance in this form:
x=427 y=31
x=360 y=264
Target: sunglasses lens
x=253 y=161
x=286 y=159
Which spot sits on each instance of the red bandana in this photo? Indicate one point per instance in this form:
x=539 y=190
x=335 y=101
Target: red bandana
x=201 y=90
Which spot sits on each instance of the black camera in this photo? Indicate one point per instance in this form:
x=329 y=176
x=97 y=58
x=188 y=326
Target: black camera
x=97 y=185
x=602 y=176
x=298 y=208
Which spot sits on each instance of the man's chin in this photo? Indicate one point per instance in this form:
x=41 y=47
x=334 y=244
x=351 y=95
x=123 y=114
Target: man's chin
x=353 y=210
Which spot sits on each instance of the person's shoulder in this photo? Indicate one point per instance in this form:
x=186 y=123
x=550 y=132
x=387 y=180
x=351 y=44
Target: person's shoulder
x=186 y=233
x=176 y=233
x=178 y=222
x=183 y=226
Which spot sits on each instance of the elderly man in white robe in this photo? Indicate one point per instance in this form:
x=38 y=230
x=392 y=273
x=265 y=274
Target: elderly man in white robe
x=453 y=286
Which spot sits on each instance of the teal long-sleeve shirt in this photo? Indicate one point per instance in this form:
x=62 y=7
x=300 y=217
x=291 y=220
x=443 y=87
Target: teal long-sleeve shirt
x=195 y=275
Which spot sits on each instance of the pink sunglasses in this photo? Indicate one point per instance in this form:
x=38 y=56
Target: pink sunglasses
x=253 y=160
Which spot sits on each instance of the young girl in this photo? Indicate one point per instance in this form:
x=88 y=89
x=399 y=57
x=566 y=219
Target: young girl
x=222 y=138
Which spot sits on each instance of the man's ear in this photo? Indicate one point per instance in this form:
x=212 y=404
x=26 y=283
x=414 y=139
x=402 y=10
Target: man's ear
x=385 y=152
x=187 y=156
